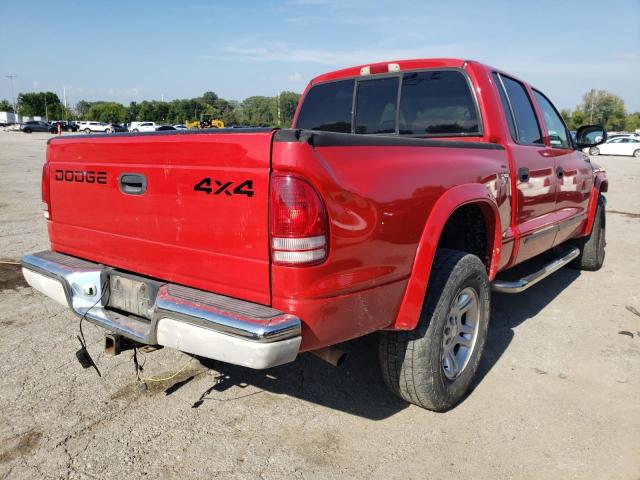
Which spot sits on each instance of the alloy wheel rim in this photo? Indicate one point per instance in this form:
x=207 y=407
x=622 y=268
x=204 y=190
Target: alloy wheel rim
x=460 y=332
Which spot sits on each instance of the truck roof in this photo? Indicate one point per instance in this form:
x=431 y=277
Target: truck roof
x=383 y=67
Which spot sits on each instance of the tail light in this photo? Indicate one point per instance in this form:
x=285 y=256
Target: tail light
x=298 y=222
x=46 y=191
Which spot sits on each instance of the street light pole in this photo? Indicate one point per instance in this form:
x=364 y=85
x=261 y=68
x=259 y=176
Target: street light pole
x=13 y=96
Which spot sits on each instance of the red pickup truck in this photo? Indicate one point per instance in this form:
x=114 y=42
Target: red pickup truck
x=400 y=192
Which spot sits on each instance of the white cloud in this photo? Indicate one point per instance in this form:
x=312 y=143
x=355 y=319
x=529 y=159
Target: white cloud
x=283 y=52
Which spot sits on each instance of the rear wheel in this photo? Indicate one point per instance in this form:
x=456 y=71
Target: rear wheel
x=87 y=130
x=594 y=151
x=434 y=365
x=27 y=130
x=636 y=154
x=592 y=247
x=135 y=130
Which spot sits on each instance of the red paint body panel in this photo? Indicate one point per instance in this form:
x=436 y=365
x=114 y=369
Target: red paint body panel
x=386 y=208
x=213 y=242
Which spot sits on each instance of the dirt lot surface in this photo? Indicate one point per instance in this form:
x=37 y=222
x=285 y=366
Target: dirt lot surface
x=558 y=395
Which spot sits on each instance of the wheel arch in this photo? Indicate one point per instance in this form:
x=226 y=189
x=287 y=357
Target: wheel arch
x=600 y=185
x=461 y=196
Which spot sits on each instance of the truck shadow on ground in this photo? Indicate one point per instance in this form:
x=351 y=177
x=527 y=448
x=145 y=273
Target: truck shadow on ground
x=510 y=310
x=356 y=387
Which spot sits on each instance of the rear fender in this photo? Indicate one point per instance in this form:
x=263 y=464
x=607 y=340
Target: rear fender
x=451 y=200
x=600 y=184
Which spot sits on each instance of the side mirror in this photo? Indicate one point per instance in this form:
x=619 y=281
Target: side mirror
x=590 y=136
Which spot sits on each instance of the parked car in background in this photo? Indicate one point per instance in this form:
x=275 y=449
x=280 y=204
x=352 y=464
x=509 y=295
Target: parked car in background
x=180 y=127
x=162 y=128
x=117 y=128
x=90 y=127
x=142 y=127
x=35 y=126
x=65 y=126
x=628 y=146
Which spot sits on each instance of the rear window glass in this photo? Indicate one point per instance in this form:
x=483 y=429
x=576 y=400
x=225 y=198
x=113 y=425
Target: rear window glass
x=328 y=107
x=437 y=103
x=376 y=105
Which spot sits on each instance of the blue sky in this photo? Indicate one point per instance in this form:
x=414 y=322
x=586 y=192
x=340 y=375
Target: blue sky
x=137 y=50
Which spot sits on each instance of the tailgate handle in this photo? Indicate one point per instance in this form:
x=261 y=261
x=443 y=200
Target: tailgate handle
x=133 y=183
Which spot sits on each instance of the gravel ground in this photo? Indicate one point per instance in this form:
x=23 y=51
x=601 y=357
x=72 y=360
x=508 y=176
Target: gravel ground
x=558 y=395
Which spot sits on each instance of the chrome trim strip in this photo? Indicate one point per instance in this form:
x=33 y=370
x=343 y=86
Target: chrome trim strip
x=517 y=286
x=76 y=275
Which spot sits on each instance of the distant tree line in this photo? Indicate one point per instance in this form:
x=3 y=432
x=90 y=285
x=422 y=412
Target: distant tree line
x=597 y=107
x=254 y=111
x=602 y=108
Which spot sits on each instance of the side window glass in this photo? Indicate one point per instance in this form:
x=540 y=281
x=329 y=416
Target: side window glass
x=327 y=107
x=505 y=107
x=556 y=128
x=376 y=105
x=524 y=115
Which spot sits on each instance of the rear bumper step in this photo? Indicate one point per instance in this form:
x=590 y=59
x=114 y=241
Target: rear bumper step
x=520 y=285
x=190 y=320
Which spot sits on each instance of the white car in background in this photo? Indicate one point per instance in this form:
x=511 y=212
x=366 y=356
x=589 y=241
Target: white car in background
x=90 y=127
x=143 y=127
x=627 y=145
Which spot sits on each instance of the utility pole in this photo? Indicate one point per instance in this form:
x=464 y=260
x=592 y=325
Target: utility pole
x=13 y=96
x=64 y=95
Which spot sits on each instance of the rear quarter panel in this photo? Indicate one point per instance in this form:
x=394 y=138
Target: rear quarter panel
x=378 y=200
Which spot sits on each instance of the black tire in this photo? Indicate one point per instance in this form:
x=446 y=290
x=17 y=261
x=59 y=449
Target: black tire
x=594 y=151
x=135 y=130
x=412 y=361
x=592 y=247
x=87 y=130
x=636 y=154
x=27 y=130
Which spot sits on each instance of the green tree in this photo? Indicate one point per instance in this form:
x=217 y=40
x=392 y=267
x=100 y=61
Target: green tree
x=5 y=106
x=258 y=112
x=82 y=109
x=109 y=112
x=632 y=122
x=210 y=98
x=604 y=108
x=288 y=102
x=40 y=104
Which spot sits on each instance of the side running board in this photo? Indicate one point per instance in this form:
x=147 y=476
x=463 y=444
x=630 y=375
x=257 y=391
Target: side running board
x=517 y=286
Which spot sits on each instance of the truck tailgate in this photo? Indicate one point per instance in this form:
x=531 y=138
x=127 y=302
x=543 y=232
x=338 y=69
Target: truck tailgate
x=189 y=208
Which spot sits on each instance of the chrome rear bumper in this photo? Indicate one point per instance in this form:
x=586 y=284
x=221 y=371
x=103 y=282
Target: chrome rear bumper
x=190 y=320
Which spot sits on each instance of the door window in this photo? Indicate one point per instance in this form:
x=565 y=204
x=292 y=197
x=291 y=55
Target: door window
x=556 y=128
x=526 y=124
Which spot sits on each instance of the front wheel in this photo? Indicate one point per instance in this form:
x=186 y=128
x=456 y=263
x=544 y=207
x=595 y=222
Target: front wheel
x=434 y=365
x=594 y=151
x=87 y=130
x=135 y=130
x=636 y=154
x=27 y=130
x=592 y=247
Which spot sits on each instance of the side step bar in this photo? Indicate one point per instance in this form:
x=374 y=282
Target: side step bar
x=517 y=286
